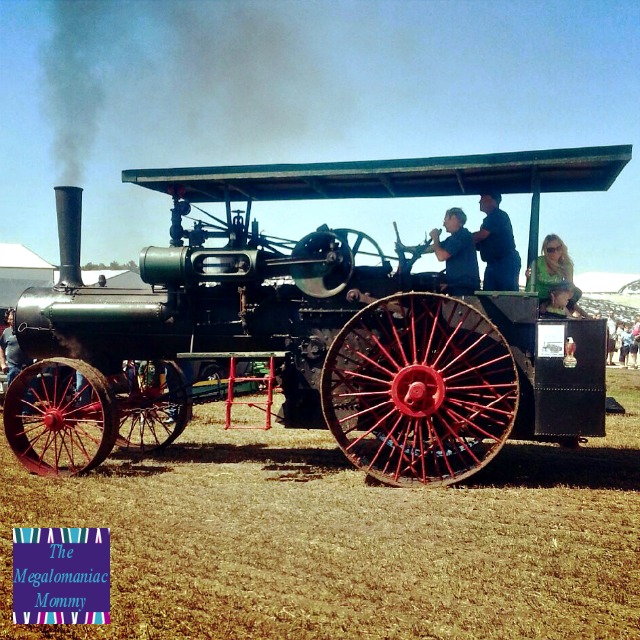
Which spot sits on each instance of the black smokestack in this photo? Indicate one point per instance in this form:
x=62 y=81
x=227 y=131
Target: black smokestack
x=69 y=209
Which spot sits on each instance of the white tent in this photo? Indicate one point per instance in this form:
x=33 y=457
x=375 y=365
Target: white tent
x=20 y=269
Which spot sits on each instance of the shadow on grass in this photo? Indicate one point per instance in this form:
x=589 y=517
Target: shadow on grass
x=296 y=464
x=517 y=465
x=129 y=469
x=535 y=465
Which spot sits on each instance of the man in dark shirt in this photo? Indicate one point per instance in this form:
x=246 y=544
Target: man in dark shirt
x=497 y=246
x=463 y=276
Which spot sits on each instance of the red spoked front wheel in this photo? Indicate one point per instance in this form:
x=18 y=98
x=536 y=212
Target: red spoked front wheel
x=59 y=417
x=420 y=388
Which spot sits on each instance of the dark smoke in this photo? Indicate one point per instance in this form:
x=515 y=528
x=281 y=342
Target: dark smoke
x=181 y=81
x=73 y=94
x=139 y=84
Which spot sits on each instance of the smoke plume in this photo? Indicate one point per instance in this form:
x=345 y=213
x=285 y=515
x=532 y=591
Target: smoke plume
x=184 y=81
x=73 y=94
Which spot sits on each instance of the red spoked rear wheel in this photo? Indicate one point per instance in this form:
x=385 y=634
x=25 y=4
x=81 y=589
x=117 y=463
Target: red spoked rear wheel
x=59 y=417
x=420 y=388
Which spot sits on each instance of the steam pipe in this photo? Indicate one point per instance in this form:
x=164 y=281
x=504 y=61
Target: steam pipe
x=69 y=210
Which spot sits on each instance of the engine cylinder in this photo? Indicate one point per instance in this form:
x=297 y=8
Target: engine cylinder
x=180 y=266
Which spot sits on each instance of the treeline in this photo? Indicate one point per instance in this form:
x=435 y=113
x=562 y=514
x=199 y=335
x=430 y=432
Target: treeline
x=112 y=266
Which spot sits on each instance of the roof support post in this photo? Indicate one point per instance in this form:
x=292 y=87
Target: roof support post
x=180 y=208
x=247 y=218
x=227 y=202
x=534 y=229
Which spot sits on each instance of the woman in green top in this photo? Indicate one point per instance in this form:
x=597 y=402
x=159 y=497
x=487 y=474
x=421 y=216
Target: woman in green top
x=553 y=267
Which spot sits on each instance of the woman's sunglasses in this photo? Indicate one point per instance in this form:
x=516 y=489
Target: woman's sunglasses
x=553 y=249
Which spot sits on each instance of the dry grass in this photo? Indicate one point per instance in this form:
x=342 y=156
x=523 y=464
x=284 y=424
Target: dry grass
x=253 y=535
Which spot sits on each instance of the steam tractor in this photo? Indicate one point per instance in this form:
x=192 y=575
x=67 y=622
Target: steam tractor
x=418 y=387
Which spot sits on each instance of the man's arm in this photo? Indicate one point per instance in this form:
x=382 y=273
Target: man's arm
x=479 y=236
x=441 y=254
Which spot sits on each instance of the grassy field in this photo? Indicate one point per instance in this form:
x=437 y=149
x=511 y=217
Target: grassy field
x=254 y=535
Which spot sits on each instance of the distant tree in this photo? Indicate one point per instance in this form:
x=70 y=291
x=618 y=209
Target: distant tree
x=113 y=266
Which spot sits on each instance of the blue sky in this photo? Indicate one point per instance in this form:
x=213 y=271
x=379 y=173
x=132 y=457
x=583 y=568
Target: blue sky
x=92 y=88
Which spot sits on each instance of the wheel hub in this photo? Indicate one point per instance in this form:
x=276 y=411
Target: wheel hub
x=417 y=390
x=54 y=420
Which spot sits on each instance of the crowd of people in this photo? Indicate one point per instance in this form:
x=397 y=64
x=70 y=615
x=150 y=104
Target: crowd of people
x=623 y=342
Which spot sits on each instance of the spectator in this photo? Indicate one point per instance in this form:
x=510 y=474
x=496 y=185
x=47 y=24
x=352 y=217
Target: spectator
x=611 y=337
x=632 y=362
x=12 y=359
x=497 y=246
x=627 y=340
x=635 y=345
x=619 y=329
x=552 y=267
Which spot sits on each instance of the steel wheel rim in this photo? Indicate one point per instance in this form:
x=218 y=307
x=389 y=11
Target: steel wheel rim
x=420 y=389
x=55 y=429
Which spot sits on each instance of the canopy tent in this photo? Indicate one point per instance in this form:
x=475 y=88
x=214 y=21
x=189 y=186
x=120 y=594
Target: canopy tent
x=597 y=282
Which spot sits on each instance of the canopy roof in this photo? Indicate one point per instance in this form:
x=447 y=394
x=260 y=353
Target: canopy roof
x=582 y=169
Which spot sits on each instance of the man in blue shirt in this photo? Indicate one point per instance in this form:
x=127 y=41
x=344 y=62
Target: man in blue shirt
x=497 y=246
x=459 y=252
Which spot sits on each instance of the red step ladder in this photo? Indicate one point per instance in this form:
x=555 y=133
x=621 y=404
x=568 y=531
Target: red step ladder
x=264 y=405
x=234 y=380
